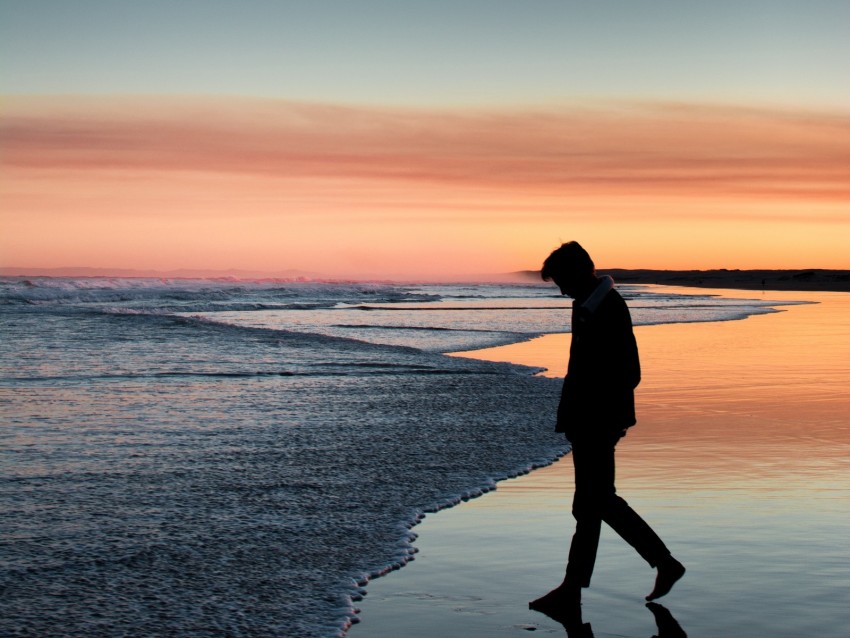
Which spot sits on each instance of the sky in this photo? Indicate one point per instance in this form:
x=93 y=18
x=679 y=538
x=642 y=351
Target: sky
x=423 y=139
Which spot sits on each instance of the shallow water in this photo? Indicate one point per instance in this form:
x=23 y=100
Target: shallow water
x=740 y=460
x=180 y=457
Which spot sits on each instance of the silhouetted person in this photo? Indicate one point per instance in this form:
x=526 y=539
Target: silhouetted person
x=597 y=406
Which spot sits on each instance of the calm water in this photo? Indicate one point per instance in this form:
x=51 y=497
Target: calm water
x=208 y=458
x=740 y=460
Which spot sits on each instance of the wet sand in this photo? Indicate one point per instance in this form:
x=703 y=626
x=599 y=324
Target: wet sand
x=741 y=462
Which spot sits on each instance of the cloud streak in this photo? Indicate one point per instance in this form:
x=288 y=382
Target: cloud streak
x=609 y=149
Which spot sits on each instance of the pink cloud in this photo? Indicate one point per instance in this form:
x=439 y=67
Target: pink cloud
x=657 y=149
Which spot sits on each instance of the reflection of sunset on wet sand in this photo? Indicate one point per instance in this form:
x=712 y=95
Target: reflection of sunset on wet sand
x=740 y=459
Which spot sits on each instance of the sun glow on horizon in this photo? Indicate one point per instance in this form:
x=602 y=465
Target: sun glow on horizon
x=271 y=185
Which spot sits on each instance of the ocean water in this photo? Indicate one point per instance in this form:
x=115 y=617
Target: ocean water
x=230 y=458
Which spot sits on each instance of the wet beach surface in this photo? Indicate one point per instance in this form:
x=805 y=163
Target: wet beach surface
x=740 y=460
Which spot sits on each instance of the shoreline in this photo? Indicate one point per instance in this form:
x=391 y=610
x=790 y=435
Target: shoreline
x=800 y=280
x=700 y=429
x=803 y=280
x=811 y=280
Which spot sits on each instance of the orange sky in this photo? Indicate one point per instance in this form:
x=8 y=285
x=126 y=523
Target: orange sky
x=260 y=184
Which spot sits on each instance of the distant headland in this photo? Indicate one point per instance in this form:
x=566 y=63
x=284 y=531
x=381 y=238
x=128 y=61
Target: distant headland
x=809 y=279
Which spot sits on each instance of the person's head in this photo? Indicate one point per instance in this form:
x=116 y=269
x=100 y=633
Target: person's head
x=570 y=268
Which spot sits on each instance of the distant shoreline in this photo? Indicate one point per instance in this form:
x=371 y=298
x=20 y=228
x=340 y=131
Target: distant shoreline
x=802 y=280
x=813 y=279
x=795 y=280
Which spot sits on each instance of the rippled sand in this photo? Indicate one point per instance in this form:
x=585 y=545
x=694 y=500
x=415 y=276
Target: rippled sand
x=740 y=460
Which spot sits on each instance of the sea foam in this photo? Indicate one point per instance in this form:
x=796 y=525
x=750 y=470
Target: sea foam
x=173 y=470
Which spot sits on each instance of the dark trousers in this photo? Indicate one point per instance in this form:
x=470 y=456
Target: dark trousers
x=596 y=500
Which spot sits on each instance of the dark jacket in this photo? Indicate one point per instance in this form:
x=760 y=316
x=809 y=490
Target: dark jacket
x=604 y=369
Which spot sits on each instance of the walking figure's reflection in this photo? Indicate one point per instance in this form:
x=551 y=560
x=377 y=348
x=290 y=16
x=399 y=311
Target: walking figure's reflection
x=572 y=621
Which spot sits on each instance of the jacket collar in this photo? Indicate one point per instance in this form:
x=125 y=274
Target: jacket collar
x=604 y=286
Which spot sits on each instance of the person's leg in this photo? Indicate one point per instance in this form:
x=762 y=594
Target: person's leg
x=596 y=500
x=583 y=548
x=594 y=487
x=619 y=515
x=593 y=466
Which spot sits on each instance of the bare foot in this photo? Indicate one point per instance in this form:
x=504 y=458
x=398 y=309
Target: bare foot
x=562 y=599
x=669 y=572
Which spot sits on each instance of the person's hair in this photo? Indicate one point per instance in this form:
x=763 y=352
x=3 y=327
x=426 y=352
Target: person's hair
x=569 y=257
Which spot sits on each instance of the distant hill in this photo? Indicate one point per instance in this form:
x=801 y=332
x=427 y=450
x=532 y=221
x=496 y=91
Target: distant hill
x=811 y=279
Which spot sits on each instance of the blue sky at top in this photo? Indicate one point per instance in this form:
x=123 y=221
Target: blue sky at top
x=435 y=52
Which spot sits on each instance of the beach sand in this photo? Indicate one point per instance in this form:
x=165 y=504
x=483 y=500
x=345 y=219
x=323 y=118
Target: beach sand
x=741 y=462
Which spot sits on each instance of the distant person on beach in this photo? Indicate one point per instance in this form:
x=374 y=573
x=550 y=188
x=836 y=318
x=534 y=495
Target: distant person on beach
x=597 y=407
